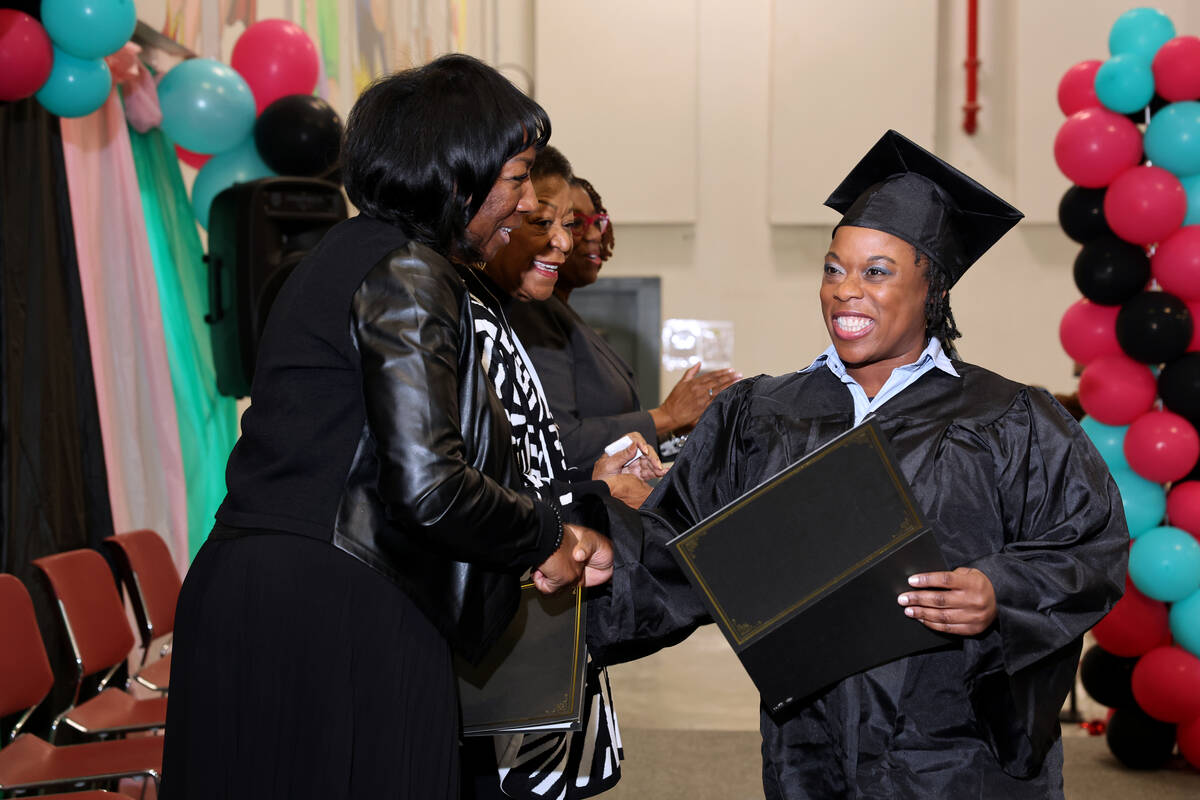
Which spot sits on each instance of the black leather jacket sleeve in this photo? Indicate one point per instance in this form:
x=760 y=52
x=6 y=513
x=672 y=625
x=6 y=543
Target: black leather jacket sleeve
x=407 y=321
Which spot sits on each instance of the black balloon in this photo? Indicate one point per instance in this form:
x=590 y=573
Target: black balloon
x=1154 y=327
x=1081 y=214
x=299 y=135
x=1138 y=740
x=1179 y=386
x=1157 y=103
x=1108 y=679
x=1109 y=270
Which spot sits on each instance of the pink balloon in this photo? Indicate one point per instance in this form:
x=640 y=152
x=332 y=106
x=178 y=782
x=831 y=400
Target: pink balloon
x=1077 y=88
x=1183 y=507
x=1176 y=68
x=26 y=55
x=276 y=58
x=1095 y=145
x=1176 y=263
x=1136 y=624
x=1166 y=684
x=1116 y=390
x=195 y=160
x=1145 y=204
x=1088 y=331
x=1161 y=446
x=1188 y=737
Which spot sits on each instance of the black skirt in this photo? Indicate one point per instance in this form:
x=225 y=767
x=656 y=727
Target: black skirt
x=300 y=672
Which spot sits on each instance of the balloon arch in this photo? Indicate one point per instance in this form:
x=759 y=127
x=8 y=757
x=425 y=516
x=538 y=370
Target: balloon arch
x=1131 y=146
x=251 y=119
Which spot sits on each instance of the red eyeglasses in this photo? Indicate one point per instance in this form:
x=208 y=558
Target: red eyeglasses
x=585 y=221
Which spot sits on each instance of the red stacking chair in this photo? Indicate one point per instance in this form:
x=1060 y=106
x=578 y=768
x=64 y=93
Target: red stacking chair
x=100 y=636
x=25 y=679
x=153 y=584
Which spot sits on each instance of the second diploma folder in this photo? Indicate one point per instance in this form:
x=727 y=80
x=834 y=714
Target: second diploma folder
x=802 y=573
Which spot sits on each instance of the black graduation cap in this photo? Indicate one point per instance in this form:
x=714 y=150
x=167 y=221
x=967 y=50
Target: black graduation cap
x=903 y=189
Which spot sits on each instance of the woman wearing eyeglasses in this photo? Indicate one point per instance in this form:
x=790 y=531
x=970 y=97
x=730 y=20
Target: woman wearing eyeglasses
x=592 y=391
x=546 y=764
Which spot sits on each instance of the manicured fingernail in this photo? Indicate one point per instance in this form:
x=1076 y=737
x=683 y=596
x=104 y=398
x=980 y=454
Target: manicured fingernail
x=914 y=580
x=910 y=612
x=902 y=599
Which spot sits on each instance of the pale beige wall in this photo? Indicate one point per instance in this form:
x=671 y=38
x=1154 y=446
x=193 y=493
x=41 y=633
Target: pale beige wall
x=750 y=82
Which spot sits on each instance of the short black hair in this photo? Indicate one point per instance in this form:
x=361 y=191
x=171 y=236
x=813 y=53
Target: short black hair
x=551 y=163
x=423 y=147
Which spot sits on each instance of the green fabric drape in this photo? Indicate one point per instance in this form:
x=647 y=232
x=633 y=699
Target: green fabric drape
x=207 y=421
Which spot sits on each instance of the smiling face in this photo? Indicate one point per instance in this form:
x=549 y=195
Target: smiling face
x=583 y=265
x=527 y=267
x=510 y=199
x=873 y=301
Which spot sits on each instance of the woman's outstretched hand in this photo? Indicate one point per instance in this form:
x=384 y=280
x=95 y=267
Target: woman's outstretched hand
x=962 y=601
x=689 y=398
x=626 y=461
x=584 y=556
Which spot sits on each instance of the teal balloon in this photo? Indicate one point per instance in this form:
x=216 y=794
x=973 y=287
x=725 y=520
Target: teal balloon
x=76 y=86
x=1191 y=186
x=240 y=165
x=1172 y=139
x=1109 y=440
x=1140 y=32
x=1145 y=502
x=89 y=28
x=207 y=107
x=1185 y=623
x=1164 y=563
x=1125 y=83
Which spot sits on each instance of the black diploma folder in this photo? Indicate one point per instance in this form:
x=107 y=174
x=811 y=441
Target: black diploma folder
x=802 y=572
x=533 y=677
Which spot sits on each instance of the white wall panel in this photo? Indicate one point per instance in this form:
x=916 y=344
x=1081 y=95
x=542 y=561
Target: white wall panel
x=619 y=80
x=841 y=74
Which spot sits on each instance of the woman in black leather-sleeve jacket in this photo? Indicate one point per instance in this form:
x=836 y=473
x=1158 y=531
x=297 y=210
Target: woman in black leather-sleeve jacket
x=375 y=518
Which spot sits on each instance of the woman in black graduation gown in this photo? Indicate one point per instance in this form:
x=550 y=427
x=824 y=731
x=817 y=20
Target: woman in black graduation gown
x=1021 y=504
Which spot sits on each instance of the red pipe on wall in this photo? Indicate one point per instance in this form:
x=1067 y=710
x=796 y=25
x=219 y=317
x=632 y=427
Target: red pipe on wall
x=971 y=107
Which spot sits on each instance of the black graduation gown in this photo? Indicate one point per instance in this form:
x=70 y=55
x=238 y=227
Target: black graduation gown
x=1010 y=485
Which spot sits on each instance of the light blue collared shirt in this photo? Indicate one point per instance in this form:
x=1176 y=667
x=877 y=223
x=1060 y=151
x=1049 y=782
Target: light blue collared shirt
x=900 y=379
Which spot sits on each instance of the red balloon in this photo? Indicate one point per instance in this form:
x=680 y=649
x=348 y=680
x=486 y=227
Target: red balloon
x=1166 y=684
x=1145 y=204
x=1187 y=735
x=26 y=55
x=196 y=160
x=1176 y=263
x=1095 y=145
x=1136 y=624
x=1077 y=88
x=1116 y=390
x=1176 y=68
x=276 y=58
x=1161 y=446
x=1183 y=507
x=1088 y=331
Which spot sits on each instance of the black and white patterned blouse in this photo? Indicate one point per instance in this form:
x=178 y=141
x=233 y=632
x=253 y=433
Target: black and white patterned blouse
x=555 y=764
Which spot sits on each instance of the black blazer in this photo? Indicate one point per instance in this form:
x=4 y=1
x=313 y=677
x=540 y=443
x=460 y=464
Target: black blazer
x=592 y=391
x=374 y=427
